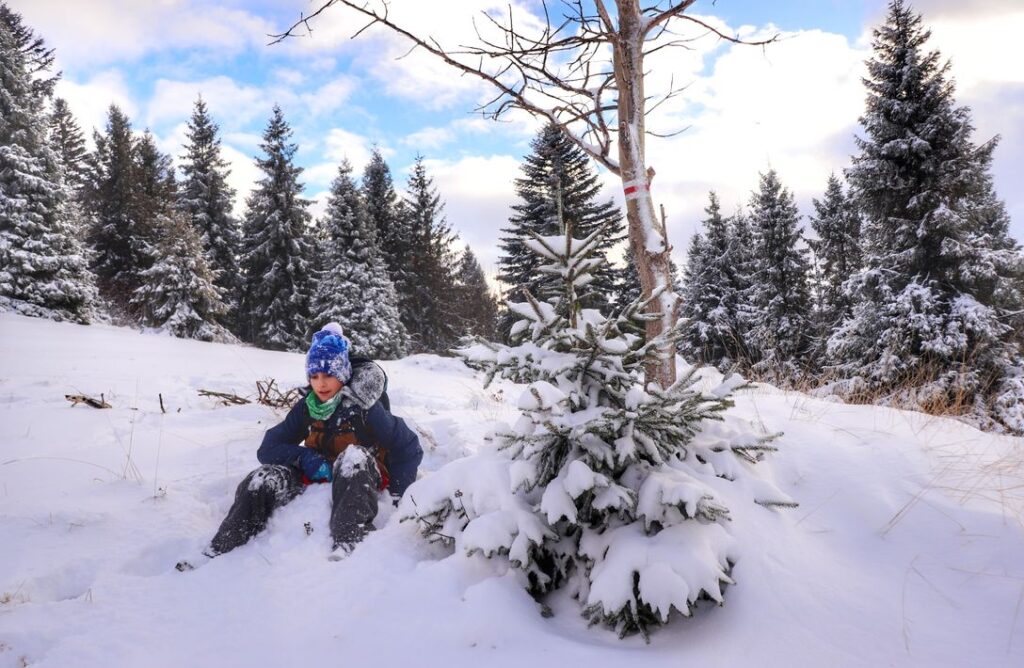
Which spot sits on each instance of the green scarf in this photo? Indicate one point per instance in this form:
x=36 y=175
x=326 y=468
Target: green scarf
x=321 y=410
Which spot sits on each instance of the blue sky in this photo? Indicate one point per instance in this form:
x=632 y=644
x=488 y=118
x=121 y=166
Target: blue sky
x=793 y=106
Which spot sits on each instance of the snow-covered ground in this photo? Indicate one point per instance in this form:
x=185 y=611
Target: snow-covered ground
x=907 y=548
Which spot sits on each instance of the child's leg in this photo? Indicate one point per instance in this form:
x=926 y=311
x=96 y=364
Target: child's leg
x=354 y=496
x=268 y=487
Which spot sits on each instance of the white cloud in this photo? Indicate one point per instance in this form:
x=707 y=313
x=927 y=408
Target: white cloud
x=330 y=96
x=477 y=192
x=319 y=204
x=981 y=53
x=753 y=111
x=429 y=138
x=340 y=144
x=320 y=175
x=171 y=143
x=289 y=76
x=229 y=102
x=90 y=100
x=105 y=31
x=237 y=106
x=243 y=177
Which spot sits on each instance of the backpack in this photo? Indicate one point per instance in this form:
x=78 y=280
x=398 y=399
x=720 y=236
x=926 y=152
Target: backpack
x=357 y=361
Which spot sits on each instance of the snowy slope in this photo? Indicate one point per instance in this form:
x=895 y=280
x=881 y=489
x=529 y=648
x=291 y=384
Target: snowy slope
x=907 y=549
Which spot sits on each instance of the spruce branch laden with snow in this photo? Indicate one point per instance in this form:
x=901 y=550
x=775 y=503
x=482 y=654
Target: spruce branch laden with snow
x=606 y=486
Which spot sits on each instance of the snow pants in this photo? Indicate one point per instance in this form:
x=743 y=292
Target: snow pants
x=356 y=482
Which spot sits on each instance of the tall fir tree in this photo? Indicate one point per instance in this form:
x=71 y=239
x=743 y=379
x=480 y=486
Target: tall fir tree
x=353 y=287
x=475 y=305
x=426 y=304
x=837 y=255
x=276 y=250
x=558 y=187
x=929 y=326
x=713 y=295
x=36 y=56
x=743 y=238
x=207 y=200
x=691 y=295
x=629 y=283
x=384 y=212
x=177 y=293
x=68 y=141
x=43 y=267
x=156 y=188
x=109 y=199
x=778 y=298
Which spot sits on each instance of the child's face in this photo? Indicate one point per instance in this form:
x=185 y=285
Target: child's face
x=324 y=385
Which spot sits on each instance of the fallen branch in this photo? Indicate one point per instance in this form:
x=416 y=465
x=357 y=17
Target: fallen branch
x=228 y=399
x=268 y=394
x=76 y=399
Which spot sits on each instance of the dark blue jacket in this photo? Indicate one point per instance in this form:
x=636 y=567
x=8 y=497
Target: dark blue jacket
x=375 y=428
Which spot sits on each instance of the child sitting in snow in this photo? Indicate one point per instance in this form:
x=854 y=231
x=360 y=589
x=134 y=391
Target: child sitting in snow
x=339 y=434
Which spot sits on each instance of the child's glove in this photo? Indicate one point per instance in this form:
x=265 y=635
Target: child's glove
x=314 y=466
x=323 y=474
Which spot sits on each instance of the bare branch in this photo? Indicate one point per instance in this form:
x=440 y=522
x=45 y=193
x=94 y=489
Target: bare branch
x=583 y=71
x=729 y=38
x=656 y=20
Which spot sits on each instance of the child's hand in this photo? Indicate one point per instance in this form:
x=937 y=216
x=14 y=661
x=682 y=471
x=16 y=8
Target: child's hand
x=314 y=466
x=322 y=474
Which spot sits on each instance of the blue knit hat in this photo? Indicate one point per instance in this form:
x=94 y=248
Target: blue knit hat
x=329 y=353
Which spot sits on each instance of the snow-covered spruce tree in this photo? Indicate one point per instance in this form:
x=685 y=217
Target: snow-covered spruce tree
x=353 y=286
x=837 y=253
x=606 y=485
x=691 y=345
x=558 y=184
x=778 y=298
x=207 y=200
x=43 y=266
x=67 y=140
x=178 y=294
x=929 y=327
x=109 y=199
x=743 y=240
x=154 y=197
x=427 y=308
x=275 y=247
x=629 y=284
x=712 y=295
x=476 y=307
x=385 y=214
x=37 y=57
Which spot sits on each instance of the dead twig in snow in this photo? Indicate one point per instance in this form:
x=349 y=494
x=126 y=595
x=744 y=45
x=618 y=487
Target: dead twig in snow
x=76 y=399
x=227 y=399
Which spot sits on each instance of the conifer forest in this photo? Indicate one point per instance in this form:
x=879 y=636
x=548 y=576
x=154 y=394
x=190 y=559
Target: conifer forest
x=904 y=286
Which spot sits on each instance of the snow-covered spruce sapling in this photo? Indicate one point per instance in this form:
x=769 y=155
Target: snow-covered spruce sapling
x=606 y=486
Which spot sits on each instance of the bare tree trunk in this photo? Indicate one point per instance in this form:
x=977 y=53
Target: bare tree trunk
x=647 y=240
